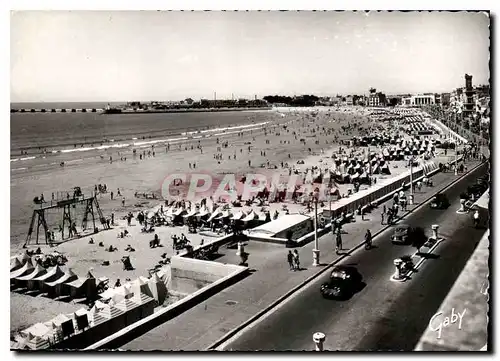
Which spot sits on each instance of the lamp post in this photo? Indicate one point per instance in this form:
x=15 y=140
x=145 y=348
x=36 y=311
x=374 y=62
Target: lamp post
x=411 y=180
x=316 y=243
x=330 y=208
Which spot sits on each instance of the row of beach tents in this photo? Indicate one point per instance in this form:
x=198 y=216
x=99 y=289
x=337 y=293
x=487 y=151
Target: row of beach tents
x=125 y=305
x=116 y=308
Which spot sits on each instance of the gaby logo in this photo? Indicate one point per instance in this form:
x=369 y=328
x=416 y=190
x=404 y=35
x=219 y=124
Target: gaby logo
x=438 y=326
x=231 y=186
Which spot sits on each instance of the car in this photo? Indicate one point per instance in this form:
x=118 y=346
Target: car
x=405 y=234
x=344 y=282
x=440 y=201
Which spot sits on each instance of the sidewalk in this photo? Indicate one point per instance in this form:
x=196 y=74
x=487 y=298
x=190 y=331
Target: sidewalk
x=199 y=327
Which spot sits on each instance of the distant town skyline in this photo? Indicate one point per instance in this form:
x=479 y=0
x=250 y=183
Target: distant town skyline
x=144 y=55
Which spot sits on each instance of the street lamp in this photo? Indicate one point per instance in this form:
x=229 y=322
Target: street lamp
x=411 y=180
x=316 y=243
x=330 y=208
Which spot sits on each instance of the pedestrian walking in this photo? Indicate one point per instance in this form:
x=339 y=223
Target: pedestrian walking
x=382 y=218
x=296 y=260
x=338 y=241
x=290 y=260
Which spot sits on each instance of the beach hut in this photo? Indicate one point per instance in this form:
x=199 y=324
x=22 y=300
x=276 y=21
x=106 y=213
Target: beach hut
x=115 y=318
x=36 y=343
x=52 y=274
x=59 y=287
x=140 y=286
x=84 y=287
x=37 y=272
x=27 y=268
x=129 y=308
x=157 y=289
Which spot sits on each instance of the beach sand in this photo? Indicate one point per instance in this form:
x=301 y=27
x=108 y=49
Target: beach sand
x=147 y=176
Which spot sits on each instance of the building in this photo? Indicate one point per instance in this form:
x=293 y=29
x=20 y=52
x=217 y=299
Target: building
x=423 y=99
x=376 y=99
x=349 y=100
x=468 y=100
x=445 y=99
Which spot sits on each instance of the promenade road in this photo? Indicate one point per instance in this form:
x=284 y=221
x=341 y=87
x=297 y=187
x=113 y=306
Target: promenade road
x=384 y=315
x=202 y=325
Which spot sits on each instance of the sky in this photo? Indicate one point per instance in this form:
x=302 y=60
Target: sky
x=150 y=55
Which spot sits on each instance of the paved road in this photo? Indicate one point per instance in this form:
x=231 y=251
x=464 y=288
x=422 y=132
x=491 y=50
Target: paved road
x=205 y=323
x=384 y=315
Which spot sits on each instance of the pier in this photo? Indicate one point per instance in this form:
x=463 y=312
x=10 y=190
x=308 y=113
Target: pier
x=44 y=110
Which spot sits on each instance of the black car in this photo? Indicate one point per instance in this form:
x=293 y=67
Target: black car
x=405 y=234
x=440 y=201
x=343 y=283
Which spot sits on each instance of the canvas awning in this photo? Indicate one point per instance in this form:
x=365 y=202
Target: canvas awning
x=238 y=215
x=224 y=214
x=203 y=212
x=27 y=268
x=68 y=276
x=15 y=264
x=250 y=217
x=262 y=216
x=191 y=213
x=178 y=211
x=51 y=275
x=213 y=215
x=37 y=271
x=80 y=281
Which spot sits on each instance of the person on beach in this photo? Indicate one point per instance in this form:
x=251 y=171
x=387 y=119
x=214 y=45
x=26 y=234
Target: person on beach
x=112 y=194
x=290 y=260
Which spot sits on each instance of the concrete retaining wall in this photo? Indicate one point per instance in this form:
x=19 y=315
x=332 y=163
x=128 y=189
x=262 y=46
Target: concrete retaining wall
x=189 y=275
x=139 y=328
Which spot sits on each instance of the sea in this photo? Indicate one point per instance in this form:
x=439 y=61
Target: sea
x=50 y=134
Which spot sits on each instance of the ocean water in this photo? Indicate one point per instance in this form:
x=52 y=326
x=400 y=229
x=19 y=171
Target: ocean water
x=66 y=132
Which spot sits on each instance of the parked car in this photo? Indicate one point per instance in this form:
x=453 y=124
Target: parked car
x=405 y=234
x=440 y=201
x=344 y=282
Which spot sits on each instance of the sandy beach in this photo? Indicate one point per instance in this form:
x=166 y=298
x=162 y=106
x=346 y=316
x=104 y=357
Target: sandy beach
x=147 y=175
x=278 y=142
